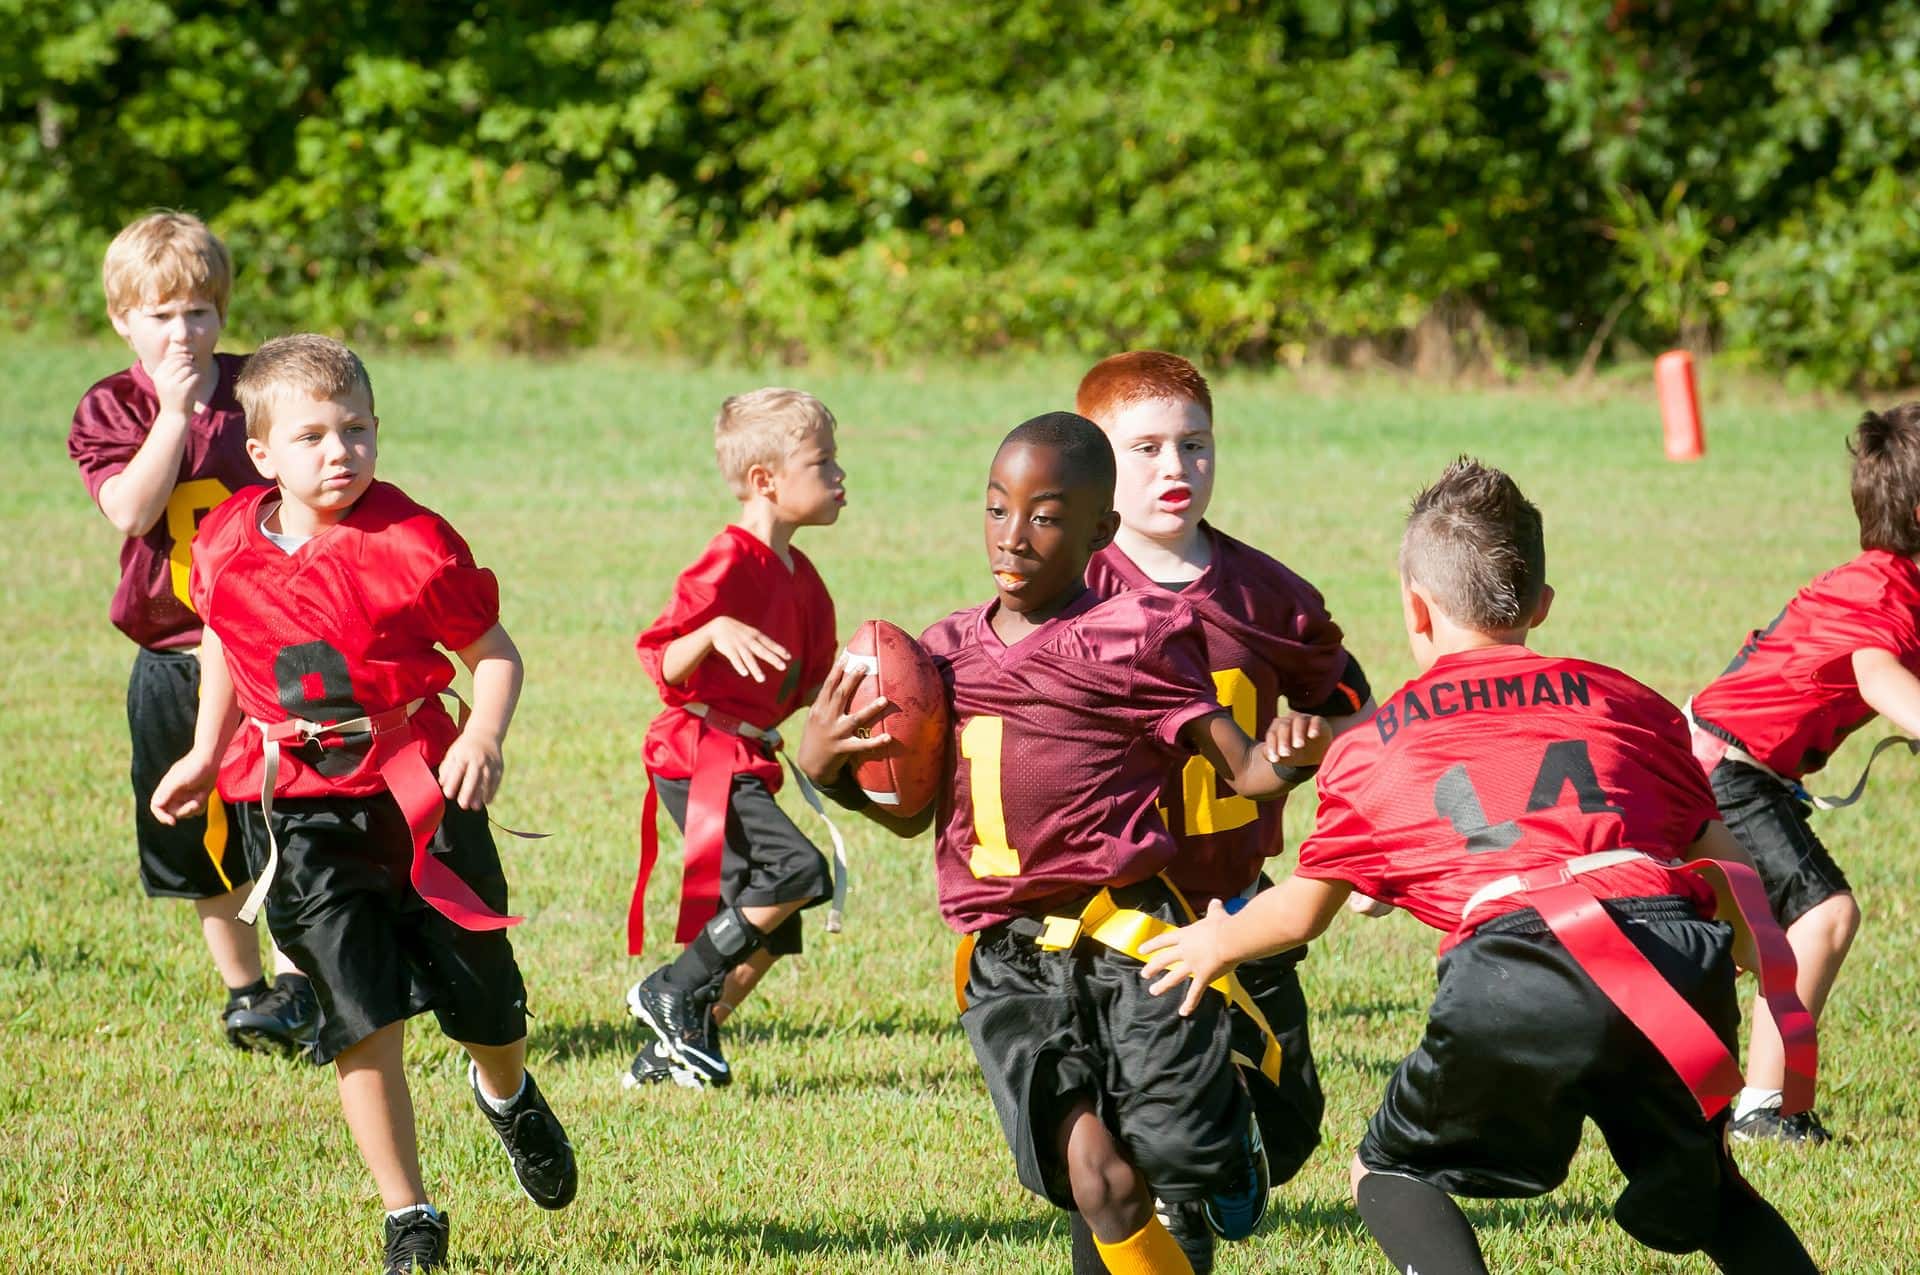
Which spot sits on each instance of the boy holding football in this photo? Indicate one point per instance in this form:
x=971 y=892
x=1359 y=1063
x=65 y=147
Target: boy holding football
x=1536 y=811
x=746 y=639
x=1845 y=648
x=1268 y=635
x=1069 y=711
x=159 y=445
x=326 y=598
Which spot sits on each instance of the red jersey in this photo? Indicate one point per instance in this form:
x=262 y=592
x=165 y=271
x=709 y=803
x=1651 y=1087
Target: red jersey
x=151 y=604
x=1790 y=697
x=1500 y=760
x=738 y=576
x=345 y=626
x=1061 y=744
x=1268 y=635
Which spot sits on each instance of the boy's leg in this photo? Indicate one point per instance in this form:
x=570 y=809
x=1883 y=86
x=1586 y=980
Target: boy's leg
x=379 y=1111
x=510 y=1099
x=1820 y=939
x=1417 y=1226
x=1113 y=1198
x=740 y=982
x=279 y=1019
x=234 y=945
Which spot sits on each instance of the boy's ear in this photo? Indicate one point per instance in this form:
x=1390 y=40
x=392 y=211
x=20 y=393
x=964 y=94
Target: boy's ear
x=760 y=480
x=1105 y=530
x=119 y=322
x=1546 y=604
x=1416 y=607
x=257 y=453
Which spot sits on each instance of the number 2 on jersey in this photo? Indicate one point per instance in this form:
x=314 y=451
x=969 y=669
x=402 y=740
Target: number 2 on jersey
x=1207 y=811
x=980 y=741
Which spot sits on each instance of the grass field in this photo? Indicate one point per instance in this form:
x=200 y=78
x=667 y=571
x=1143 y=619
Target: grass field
x=859 y=1135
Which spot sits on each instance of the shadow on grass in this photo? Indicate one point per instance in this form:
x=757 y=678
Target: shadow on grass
x=929 y=1233
x=568 y=1039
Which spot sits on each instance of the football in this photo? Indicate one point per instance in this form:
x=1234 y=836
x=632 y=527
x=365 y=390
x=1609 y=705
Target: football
x=906 y=775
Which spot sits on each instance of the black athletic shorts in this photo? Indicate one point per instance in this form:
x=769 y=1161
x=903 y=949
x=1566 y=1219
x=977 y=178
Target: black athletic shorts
x=1289 y=1112
x=342 y=907
x=198 y=858
x=1049 y=1028
x=766 y=858
x=1772 y=822
x=1521 y=1046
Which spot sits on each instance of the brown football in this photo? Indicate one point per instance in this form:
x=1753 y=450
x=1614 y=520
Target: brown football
x=904 y=777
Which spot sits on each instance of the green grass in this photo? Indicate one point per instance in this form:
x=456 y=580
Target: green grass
x=859 y=1135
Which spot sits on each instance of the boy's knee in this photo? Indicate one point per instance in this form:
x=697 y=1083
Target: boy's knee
x=1102 y=1179
x=1831 y=925
x=1355 y=1172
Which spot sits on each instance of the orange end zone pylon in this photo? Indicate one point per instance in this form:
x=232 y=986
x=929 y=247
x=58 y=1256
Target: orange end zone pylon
x=1679 y=405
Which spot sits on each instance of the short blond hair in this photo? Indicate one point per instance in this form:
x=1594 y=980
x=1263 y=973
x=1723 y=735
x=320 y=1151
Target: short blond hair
x=165 y=256
x=305 y=363
x=762 y=427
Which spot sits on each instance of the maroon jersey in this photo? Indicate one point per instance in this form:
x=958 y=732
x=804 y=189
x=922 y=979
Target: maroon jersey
x=151 y=604
x=1790 y=697
x=343 y=627
x=1268 y=635
x=1061 y=744
x=1499 y=760
x=738 y=576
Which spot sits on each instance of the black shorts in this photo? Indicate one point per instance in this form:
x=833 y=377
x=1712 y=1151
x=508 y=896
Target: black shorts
x=198 y=858
x=1289 y=1112
x=1521 y=1046
x=1772 y=822
x=342 y=906
x=766 y=859
x=1049 y=1028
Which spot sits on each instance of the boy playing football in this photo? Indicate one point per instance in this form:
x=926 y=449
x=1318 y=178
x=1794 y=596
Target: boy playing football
x=326 y=598
x=1535 y=810
x=747 y=638
x=1069 y=711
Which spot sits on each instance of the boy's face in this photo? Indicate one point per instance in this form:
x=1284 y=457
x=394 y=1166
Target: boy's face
x=185 y=328
x=1042 y=526
x=809 y=488
x=320 y=451
x=1163 y=448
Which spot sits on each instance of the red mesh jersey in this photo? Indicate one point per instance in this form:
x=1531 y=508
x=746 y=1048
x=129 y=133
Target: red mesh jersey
x=344 y=626
x=151 y=603
x=1061 y=744
x=1499 y=760
x=1268 y=635
x=1790 y=697
x=741 y=577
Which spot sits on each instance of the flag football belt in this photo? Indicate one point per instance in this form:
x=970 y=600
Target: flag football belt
x=402 y=763
x=1598 y=945
x=1710 y=748
x=1126 y=930
x=706 y=829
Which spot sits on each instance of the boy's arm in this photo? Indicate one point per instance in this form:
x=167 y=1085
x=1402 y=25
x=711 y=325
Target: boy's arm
x=1293 y=746
x=739 y=643
x=1889 y=689
x=182 y=792
x=470 y=773
x=833 y=736
x=1296 y=911
x=134 y=499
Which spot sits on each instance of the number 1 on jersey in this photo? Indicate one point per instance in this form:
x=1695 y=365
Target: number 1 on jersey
x=980 y=741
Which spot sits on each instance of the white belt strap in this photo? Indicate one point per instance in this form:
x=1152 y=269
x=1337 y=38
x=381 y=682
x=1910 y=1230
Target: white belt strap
x=1515 y=882
x=1819 y=802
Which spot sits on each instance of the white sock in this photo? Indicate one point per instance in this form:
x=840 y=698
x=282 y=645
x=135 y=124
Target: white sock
x=500 y=1105
x=400 y=1215
x=1751 y=1100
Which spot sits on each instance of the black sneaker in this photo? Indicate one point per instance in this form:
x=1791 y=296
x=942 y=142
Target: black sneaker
x=417 y=1242
x=1187 y=1223
x=281 y=1020
x=651 y=1066
x=1234 y=1211
x=1766 y=1124
x=684 y=1025
x=542 y=1157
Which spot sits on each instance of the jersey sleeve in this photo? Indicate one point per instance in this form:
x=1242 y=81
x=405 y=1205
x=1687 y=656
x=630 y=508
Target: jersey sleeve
x=1171 y=684
x=699 y=594
x=459 y=601
x=1886 y=622
x=1341 y=845
x=104 y=438
x=1313 y=660
x=218 y=538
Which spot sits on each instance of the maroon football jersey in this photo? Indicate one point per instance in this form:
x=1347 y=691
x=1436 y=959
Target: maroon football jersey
x=345 y=626
x=1268 y=635
x=739 y=576
x=1499 y=760
x=151 y=605
x=1790 y=698
x=1061 y=744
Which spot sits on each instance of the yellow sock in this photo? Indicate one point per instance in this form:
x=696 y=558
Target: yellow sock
x=1151 y=1250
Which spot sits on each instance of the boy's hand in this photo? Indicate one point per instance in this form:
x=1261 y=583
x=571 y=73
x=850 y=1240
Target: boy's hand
x=1191 y=952
x=1298 y=739
x=183 y=791
x=834 y=733
x=470 y=773
x=745 y=647
x=179 y=386
x=1365 y=905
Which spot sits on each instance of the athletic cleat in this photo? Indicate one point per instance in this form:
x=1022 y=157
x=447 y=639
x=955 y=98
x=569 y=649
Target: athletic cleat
x=1234 y=1211
x=651 y=1066
x=1766 y=1124
x=1187 y=1223
x=686 y=1029
x=416 y=1242
x=282 y=1020
x=542 y=1157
